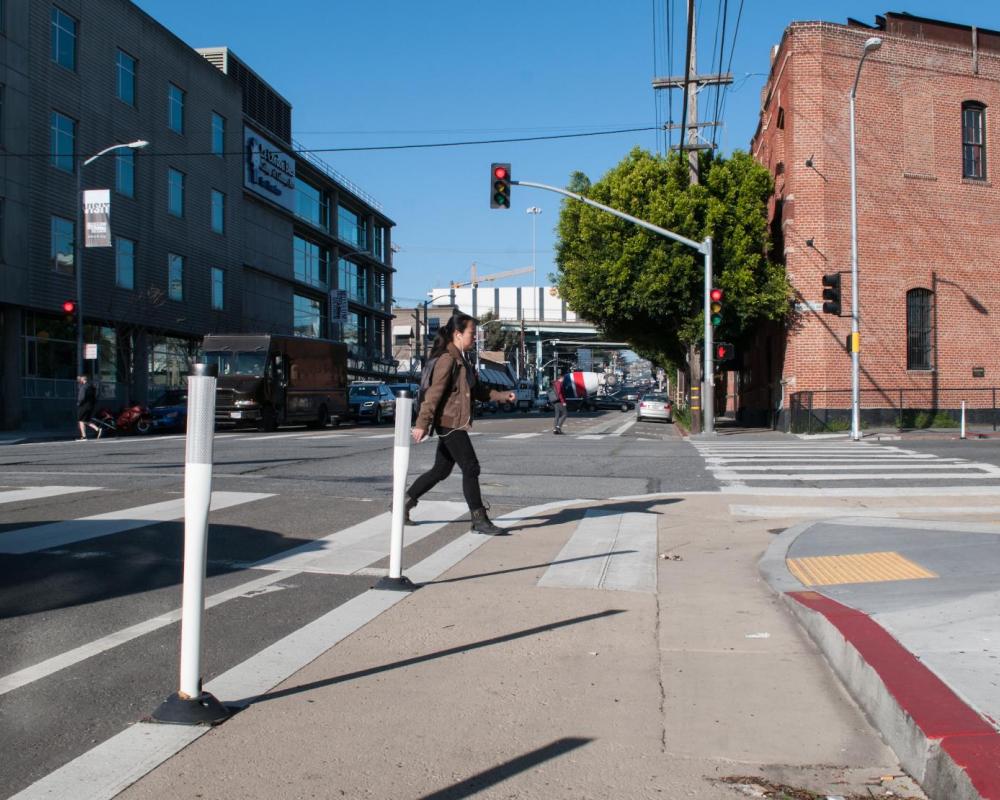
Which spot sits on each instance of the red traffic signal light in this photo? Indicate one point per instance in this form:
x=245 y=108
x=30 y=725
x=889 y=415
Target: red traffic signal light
x=69 y=307
x=500 y=186
x=724 y=352
x=715 y=295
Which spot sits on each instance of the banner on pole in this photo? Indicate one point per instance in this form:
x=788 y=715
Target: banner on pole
x=97 y=217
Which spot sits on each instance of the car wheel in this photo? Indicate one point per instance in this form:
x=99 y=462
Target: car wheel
x=335 y=422
x=323 y=419
x=507 y=407
x=144 y=426
x=378 y=416
x=624 y=407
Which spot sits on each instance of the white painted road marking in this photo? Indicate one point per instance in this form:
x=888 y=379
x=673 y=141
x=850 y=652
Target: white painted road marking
x=781 y=512
x=57 y=534
x=39 y=492
x=521 y=436
x=625 y=427
x=608 y=550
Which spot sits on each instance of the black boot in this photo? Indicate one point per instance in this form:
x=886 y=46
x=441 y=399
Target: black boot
x=481 y=524
x=407 y=506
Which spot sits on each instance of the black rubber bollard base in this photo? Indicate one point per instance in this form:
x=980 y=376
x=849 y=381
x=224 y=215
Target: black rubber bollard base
x=201 y=710
x=400 y=584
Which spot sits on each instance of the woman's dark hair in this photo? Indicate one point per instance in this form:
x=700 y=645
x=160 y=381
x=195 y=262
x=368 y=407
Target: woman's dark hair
x=458 y=322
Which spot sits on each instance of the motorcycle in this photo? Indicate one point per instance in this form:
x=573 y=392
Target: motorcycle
x=129 y=420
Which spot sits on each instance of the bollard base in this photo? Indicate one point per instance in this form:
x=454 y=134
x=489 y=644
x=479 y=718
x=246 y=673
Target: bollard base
x=400 y=584
x=201 y=710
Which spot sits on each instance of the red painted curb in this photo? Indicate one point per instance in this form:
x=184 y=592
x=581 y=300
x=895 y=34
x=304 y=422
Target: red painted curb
x=971 y=742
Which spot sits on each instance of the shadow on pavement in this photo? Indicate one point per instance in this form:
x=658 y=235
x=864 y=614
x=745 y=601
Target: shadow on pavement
x=602 y=509
x=409 y=662
x=529 y=566
x=490 y=777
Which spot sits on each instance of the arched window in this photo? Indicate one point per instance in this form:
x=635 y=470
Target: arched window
x=918 y=328
x=973 y=140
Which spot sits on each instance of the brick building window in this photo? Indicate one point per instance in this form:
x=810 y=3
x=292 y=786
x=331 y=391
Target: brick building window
x=974 y=141
x=918 y=328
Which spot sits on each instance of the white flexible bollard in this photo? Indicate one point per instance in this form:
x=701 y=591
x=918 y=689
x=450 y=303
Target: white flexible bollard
x=190 y=705
x=400 y=466
x=963 y=419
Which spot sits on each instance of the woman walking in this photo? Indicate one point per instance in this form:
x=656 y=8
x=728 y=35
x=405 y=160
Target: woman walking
x=86 y=401
x=447 y=408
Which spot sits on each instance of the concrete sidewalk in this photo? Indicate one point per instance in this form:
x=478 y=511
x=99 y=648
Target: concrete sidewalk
x=523 y=672
x=908 y=614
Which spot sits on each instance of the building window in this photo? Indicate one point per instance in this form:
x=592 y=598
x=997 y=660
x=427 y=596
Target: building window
x=974 y=141
x=175 y=108
x=63 y=39
x=353 y=280
x=308 y=317
x=63 y=245
x=125 y=67
x=218 y=135
x=63 y=130
x=3 y=226
x=124 y=262
x=311 y=262
x=378 y=243
x=218 y=211
x=125 y=172
x=218 y=289
x=918 y=328
x=175 y=192
x=3 y=117
x=175 y=276
x=351 y=228
x=311 y=204
x=379 y=288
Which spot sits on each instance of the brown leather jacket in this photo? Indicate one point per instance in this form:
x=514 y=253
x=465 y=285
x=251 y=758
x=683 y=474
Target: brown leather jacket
x=448 y=403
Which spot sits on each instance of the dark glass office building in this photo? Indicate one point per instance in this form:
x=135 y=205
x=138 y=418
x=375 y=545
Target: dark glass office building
x=218 y=225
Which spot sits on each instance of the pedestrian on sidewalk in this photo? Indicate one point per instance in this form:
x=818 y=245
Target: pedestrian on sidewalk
x=86 y=402
x=446 y=408
x=559 y=404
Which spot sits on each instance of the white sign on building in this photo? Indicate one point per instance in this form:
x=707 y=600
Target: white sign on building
x=268 y=170
x=97 y=217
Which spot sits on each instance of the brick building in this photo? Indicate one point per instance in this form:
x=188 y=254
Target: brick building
x=928 y=227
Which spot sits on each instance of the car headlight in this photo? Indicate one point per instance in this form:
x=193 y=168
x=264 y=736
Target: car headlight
x=245 y=403
x=369 y=403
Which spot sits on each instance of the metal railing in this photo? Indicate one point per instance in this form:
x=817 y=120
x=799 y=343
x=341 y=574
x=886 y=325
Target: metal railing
x=823 y=410
x=330 y=172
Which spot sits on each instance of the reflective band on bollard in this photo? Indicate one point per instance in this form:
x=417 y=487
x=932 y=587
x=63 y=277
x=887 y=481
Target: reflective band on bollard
x=190 y=705
x=400 y=466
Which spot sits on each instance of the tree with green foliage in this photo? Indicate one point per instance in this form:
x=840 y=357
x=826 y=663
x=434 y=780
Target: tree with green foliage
x=494 y=337
x=648 y=290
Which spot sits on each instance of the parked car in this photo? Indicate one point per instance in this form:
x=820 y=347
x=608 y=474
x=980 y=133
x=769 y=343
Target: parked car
x=169 y=411
x=371 y=400
x=655 y=405
x=486 y=407
x=614 y=400
x=629 y=393
x=413 y=389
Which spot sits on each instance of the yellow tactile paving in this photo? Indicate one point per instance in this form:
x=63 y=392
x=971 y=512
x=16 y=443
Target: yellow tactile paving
x=856 y=568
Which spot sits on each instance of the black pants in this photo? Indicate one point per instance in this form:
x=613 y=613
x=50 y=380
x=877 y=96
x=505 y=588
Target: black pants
x=454 y=447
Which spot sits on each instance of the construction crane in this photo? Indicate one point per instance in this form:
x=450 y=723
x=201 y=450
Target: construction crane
x=477 y=279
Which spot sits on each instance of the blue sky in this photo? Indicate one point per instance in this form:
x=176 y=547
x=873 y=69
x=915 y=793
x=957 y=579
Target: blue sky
x=399 y=72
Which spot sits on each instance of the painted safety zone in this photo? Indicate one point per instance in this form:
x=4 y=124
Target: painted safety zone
x=856 y=568
x=608 y=550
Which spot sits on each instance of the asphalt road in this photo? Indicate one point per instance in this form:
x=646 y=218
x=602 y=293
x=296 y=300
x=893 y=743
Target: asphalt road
x=76 y=670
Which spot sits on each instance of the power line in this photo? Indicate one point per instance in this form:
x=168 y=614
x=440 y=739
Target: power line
x=720 y=90
x=732 y=52
x=369 y=148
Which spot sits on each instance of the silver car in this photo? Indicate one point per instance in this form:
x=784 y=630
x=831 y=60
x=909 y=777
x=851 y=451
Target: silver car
x=654 y=405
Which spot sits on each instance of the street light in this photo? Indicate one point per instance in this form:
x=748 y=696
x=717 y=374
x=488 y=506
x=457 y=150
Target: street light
x=535 y=211
x=871 y=45
x=78 y=255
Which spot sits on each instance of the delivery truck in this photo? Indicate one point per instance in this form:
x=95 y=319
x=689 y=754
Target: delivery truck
x=270 y=380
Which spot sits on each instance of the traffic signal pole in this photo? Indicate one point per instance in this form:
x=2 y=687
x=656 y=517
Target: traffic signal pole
x=705 y=248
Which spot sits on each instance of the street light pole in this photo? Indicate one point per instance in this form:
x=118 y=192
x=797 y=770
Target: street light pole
x=78 y=254
x=874 y=43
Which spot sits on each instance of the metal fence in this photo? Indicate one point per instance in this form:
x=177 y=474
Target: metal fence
x=826 y=410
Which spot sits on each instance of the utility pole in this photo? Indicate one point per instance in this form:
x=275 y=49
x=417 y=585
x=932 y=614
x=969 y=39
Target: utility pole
x=702 y=371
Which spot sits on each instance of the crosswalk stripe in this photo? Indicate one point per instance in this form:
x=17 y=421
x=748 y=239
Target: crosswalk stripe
x=866 y=476
x=521 y=436
x=40 y=492
x=781 y=512
x=351 y=549
x=848 y=467
x=625 y=427
x=591 y=437
x=608 y=550
x=56 y=534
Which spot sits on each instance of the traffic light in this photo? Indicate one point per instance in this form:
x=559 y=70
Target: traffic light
x=500 y=186
x=831 y=293
x=716 y=297
x=69 y=310
x=724 y=352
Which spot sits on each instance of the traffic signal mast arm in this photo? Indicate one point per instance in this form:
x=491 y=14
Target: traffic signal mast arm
x=705 y=248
